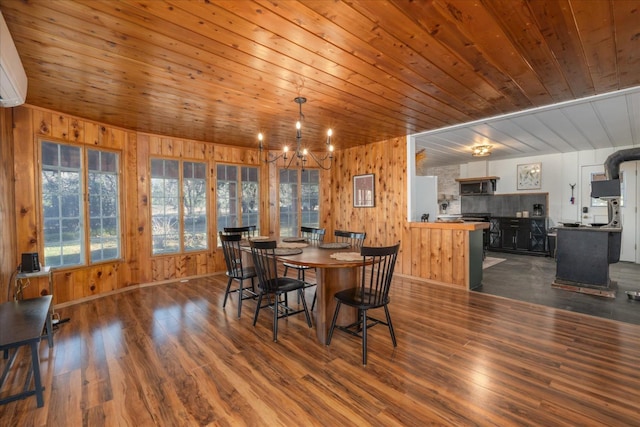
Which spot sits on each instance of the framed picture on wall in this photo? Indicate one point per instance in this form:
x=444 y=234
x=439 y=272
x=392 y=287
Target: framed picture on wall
x=363 y=191
x=529 y=176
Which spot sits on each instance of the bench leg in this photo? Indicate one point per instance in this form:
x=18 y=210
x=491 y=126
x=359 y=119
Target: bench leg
x=35 y=362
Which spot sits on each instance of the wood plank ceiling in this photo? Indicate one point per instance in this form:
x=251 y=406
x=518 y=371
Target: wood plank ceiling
x=222 y=71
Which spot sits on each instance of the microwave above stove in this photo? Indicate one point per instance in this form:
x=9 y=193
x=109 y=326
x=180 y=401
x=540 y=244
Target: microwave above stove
x=478 y=187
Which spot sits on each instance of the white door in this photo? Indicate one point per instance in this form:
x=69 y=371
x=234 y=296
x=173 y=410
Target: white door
x=596 y=211
x=629 y=211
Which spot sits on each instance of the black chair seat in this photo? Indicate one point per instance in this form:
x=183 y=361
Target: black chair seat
x=245 y=273
x=286 y=284
x=354 y=298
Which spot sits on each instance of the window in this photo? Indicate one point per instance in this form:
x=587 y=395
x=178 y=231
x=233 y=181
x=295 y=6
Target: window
x=238 y=196
x=195 y=206
x=299 y=200
x=104 y=206
x=177 y=226
x=64 y=209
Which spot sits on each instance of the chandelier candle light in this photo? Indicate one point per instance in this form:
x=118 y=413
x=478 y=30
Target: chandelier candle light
x=301 y=153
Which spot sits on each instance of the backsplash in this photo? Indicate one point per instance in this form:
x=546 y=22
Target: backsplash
x=448 y=185
x=504 y=205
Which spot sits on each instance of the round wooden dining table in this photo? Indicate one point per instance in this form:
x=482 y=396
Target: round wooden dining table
x=332 y=275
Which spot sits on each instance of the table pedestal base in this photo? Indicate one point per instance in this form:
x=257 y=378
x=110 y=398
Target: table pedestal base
x=330 y=281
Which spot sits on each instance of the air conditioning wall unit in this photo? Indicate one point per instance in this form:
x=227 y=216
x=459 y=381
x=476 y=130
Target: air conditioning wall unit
x=13 y=79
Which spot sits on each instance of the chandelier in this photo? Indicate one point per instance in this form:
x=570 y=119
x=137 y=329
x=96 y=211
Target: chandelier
x=301 y=154
x=481 y=150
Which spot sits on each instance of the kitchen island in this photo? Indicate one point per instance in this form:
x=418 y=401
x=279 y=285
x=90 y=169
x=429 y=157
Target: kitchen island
x=445 y=252
x=583 y=256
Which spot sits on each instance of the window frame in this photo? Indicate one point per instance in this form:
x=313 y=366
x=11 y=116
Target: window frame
x=180 y=202
x=300 y=199
x=239 y=209
x=84 y=198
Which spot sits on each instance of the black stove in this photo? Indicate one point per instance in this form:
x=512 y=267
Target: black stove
x=486 y=233
x=476 y=216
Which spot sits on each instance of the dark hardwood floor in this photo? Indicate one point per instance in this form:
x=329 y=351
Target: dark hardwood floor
x=529 y=278
x=169 y=355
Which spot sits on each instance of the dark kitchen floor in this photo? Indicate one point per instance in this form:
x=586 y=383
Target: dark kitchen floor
x=528 y=278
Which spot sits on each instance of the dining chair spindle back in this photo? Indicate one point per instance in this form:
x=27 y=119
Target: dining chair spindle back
x=236 y=270
x=353 y=238
x=372 y=292
x=274 y=288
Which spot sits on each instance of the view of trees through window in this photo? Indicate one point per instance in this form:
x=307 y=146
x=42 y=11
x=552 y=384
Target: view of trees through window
x=104 y=206
x=64 y=208
x=237 y=196
x=173 y=181
x=299 y=200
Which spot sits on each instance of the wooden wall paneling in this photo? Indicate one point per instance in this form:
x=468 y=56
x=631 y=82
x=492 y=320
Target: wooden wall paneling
x=142 y=243
x=25 y=184
x=155 y=145
x=237 y=155
x=181 y=266
x=77 y=130
x=170 y=147
x=62 y=290
x=341 y=190
x=8 y=254
x=273 y=210
x=170 y=266
x=78 y=281
x=414 y=247
x=446 y=256
x=60 y=127
x=129 y=214
x=326 y=215
x=204 y=263
x=435 y=264
x=157 y=270
x=114 y=138
x=105 y=278
x=92 y=134
x=189 y=149
x=460 y=265
x=42 y=122
x=425 y=253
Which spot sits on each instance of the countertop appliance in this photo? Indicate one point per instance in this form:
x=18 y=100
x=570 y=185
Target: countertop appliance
x=477 y=188
x=538 y=209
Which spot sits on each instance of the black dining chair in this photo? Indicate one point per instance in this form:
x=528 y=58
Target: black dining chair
x=273 y=287
x=313 y=236
x=372 y=292
x=246 y=232
x=354 y=239
x=236 y=271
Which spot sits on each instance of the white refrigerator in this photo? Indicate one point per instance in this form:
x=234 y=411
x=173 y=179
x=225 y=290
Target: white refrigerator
x=424 y=198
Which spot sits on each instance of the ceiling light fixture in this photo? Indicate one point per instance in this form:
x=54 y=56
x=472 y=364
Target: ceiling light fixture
x=481 y=150
x=300 y=153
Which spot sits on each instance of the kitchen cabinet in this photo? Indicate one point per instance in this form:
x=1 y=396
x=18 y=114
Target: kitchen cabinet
x=522 y=235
